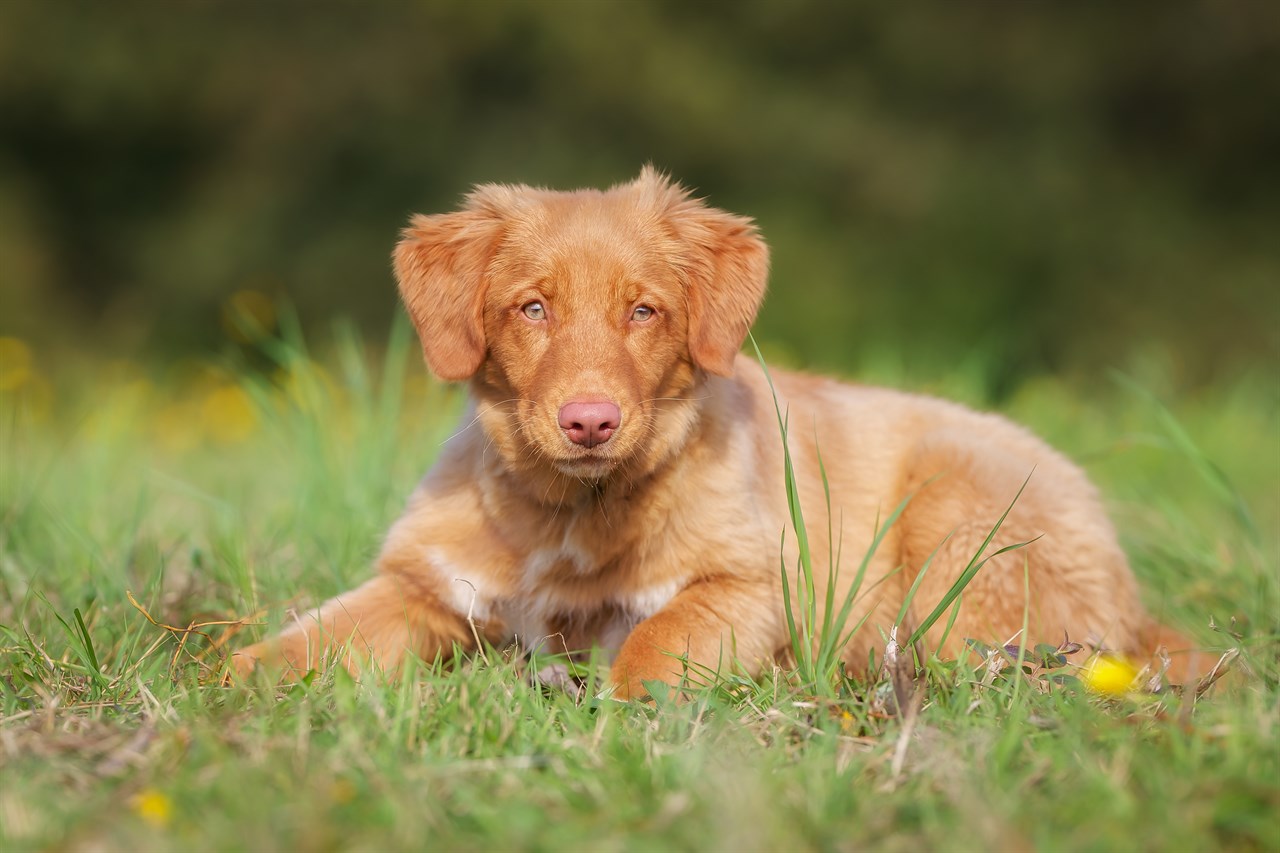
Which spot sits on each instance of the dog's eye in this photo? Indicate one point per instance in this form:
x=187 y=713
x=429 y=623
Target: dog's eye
x=642 y=313
x=534 y=311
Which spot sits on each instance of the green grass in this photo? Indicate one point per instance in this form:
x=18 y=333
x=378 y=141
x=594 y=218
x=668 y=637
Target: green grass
x=212 y=505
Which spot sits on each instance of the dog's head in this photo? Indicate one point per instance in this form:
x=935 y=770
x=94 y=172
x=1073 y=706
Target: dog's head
x=583 y=319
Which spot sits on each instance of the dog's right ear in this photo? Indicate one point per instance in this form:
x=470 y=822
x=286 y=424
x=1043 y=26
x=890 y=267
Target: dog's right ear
x=440 y=265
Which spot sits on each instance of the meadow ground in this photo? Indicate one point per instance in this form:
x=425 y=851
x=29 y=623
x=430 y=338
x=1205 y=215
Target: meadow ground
x=150 y=520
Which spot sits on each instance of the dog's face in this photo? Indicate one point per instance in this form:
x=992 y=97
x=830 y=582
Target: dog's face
x=583 y=318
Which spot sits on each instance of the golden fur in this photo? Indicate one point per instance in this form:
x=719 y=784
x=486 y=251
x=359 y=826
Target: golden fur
x=663 y=541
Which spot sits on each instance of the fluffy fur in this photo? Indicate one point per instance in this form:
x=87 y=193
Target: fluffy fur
x=663 y=541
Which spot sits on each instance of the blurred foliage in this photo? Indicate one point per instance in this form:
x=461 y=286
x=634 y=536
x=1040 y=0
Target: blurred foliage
x=1031 y=188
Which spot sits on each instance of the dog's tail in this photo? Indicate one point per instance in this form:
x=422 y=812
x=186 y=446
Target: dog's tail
x=1187 y=663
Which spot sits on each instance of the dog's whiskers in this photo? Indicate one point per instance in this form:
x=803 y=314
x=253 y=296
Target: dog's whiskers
x=676 y=399
x=480 y=413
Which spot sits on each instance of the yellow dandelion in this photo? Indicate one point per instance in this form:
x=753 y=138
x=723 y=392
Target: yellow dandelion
x=1110 y=675
x=15 y=364
x=307 y=386
x=153 y=806
x=342 y=791
x=228 y=414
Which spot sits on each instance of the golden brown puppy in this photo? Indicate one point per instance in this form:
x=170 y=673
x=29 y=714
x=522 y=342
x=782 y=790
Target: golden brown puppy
x=620 y=483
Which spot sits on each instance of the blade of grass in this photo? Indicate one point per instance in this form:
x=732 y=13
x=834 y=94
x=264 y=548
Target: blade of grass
x=971 y=570
x=1209 y=471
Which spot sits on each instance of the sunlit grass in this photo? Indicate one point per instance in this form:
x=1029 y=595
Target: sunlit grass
x=218 y=494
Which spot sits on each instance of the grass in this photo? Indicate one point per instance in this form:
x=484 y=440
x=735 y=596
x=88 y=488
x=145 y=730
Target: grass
x=218 y=497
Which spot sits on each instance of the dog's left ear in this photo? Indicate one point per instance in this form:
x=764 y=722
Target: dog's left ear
x=727 y=264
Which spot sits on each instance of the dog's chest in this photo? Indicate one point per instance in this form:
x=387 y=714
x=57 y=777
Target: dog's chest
x=572 y=596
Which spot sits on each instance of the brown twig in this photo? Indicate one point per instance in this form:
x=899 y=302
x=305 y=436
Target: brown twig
x=184 y=634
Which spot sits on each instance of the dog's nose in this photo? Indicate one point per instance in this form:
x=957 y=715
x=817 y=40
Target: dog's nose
x=589 y=422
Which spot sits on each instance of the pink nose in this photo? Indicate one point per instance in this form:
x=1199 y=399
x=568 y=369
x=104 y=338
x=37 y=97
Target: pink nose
x=589 y=422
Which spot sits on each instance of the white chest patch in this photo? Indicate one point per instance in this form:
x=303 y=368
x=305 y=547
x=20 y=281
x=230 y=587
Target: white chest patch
x=634 y=608
x=543 y=560
x=642 y=603
x=540 y=601
x=466 y=592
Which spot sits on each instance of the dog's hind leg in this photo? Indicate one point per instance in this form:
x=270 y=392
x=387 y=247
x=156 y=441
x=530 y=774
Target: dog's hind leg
x=1069 y=579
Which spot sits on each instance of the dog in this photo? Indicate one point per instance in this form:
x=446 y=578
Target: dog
x=619 y=481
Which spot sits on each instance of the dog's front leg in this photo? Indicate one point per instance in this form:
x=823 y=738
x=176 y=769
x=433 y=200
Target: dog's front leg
x=374 y=624
x=712 y=626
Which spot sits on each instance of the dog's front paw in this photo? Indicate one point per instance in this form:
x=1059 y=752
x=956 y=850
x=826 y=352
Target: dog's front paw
x=244 y=662
x=266 y=656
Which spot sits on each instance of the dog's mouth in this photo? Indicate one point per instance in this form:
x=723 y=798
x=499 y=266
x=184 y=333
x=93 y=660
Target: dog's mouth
x=586 y=469
x=588 y=463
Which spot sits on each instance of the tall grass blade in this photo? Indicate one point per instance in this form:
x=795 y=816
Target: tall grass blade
x=87 y=640
x=915 y=585
x=971 y=570
x=1214 y=476
x=852 y=596
x=801 y=635
x=81 y=644
x=819 y=666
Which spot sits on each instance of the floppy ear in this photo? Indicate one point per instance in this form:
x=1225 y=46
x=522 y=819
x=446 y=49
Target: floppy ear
x=727 y=264
x=440 y=264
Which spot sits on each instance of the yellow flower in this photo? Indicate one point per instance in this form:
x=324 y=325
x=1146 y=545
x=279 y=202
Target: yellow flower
x=15 y=364
x=153 y=807
x=228 y=414
x=307 y=386
x=21 y=385
x=341 y=791
x=1110 y=675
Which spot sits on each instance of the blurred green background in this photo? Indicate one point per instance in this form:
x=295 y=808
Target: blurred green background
x=1028 y=188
